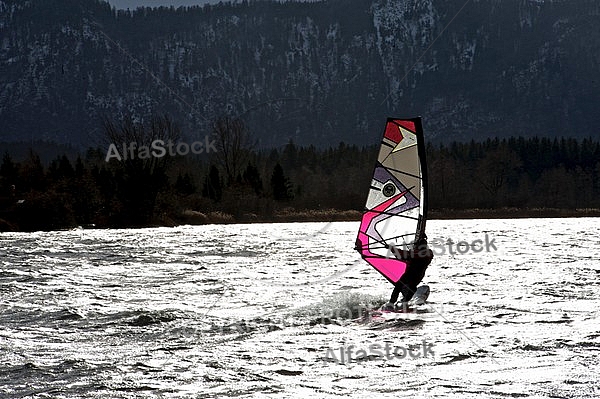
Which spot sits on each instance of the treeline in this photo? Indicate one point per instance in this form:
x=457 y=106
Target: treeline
x=516 y=172
x=290 y=183
x=91 y=191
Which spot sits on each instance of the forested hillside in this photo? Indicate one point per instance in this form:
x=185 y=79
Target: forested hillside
x=318 y=73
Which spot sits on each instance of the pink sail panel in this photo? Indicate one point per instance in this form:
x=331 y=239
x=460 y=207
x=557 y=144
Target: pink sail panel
x=392 y=269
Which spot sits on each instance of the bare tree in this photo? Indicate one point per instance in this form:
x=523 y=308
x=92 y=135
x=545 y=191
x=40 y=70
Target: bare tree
x=234 y=146
x=143 y=158
x=495 y=170
x=134 y=141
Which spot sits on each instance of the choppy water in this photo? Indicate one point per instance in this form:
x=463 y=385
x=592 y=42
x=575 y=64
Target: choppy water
x=263 y=310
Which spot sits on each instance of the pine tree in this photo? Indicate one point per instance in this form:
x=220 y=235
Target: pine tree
x=184 y=184
x=212 y=187
x=32 y=173
x=9 y=171
x=281 y=186
x=252 y=177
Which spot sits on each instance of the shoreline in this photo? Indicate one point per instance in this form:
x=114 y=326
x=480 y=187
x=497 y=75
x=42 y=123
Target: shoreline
x=510 y=213
x=197 y=218
x=333 y=215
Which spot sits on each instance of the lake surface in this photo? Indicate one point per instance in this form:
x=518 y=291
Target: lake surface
x=270 y=311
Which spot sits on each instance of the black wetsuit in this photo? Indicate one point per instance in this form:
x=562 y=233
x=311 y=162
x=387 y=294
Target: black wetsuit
x=417 y=261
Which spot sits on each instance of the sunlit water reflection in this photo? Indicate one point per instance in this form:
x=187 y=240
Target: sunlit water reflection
x=258 y=310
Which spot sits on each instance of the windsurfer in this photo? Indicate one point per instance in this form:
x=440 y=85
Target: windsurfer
x=417 y=259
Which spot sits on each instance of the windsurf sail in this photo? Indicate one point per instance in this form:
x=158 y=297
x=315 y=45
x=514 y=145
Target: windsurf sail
x=396 y=208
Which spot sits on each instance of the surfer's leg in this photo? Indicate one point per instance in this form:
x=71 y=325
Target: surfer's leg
x=407 y=285
x=390 y=305
x=408 y=291
x=412 y=277
x=396 y=292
